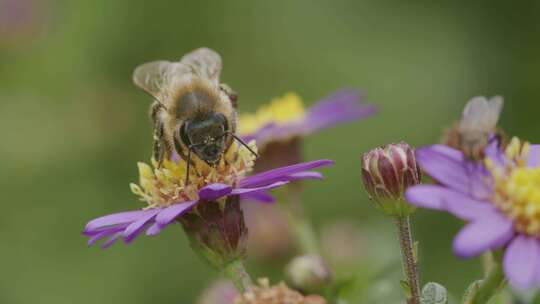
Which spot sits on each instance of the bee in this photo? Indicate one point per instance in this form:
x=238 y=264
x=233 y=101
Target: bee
x=192 y=111
x=477 y=124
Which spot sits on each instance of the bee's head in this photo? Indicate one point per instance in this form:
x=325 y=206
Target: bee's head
x=206 y=136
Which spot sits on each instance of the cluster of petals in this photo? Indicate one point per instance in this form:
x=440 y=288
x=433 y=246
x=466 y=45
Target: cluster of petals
x=128 y=225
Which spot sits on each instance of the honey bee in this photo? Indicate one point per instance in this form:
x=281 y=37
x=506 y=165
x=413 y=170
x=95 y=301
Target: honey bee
x=192 y=111
x=478 y=123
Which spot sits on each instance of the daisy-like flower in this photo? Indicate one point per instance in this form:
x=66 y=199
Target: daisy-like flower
x=207 y=207
x=279 y=293
x=278 y=129
x=499 y=198
x=279 y=126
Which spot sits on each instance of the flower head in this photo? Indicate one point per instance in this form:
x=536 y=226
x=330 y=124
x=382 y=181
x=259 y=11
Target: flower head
x=286 y=118
x=500 y=198
x=280 y=293
x=386 y=172
x=208 y=207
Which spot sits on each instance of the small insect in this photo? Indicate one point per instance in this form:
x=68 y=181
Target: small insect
x=192 y=111
x=478 y=122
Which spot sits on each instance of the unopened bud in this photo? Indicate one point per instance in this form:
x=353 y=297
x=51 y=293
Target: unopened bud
x=308 y=273
x=217 y=231
x=387 y=172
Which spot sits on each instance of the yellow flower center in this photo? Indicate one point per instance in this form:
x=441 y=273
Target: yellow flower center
x=162 y=186
x=517 y=189
x=288 y=108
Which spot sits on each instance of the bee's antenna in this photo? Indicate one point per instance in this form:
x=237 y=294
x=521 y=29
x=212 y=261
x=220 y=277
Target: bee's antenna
x=242 y=142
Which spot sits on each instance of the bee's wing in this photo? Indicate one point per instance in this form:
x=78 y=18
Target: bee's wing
x=204 y=63
x=481 y=114
x=152 y=76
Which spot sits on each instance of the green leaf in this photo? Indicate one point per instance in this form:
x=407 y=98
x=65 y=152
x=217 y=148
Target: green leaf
x=406 y=289
x=434 y=293
x=471 y=292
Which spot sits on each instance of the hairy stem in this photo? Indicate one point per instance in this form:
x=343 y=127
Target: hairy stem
x=237 y=273
x=408 y=258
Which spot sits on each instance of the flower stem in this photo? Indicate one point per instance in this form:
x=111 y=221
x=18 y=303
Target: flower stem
x=408 y=258
x=483 y=290
x=237 y=273
x=306 y=236
x=303 y=229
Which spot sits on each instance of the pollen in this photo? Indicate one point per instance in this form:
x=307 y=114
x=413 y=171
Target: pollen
x=282 y=110
x=517 y=189
x=164 y=185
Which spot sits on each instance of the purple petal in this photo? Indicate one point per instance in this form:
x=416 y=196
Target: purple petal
x=153 y=229
x=138 y=226
x=111 y=240
x=441 y=198
x=262 y=197
x=279 y=174
x=426 y=196
x=113 y=219
x=214 y=191
x=521 y=260
x=243 y=191
x=494 y=152
x=305 y=175
x=444 y=168
x=448 y=151
x=487 y=233
x=167 y=215
x=534 y=156
x=339 y=108
x=105 y=233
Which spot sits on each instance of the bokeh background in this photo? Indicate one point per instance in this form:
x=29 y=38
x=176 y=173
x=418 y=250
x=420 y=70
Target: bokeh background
x=73 y=124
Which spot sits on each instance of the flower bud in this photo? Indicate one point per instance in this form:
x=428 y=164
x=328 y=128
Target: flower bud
x=387 y=172
x=217 y=231
x=308 y=273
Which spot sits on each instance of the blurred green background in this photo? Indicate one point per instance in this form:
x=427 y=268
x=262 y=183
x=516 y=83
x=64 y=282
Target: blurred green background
x=73 y=124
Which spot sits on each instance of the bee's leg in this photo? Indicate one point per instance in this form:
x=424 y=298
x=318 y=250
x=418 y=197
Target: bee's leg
x=188 y=165
x=160 y=146
x=187 y=158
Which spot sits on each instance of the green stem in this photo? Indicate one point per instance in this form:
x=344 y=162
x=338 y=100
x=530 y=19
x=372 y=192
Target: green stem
x=482 y=291
x=408 y=258
x=303 y=229
x=305 y=235
x=237 y=273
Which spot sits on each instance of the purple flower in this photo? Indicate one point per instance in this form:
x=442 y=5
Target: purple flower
x=285 y=118
x=128 y=225
x=499 y=198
